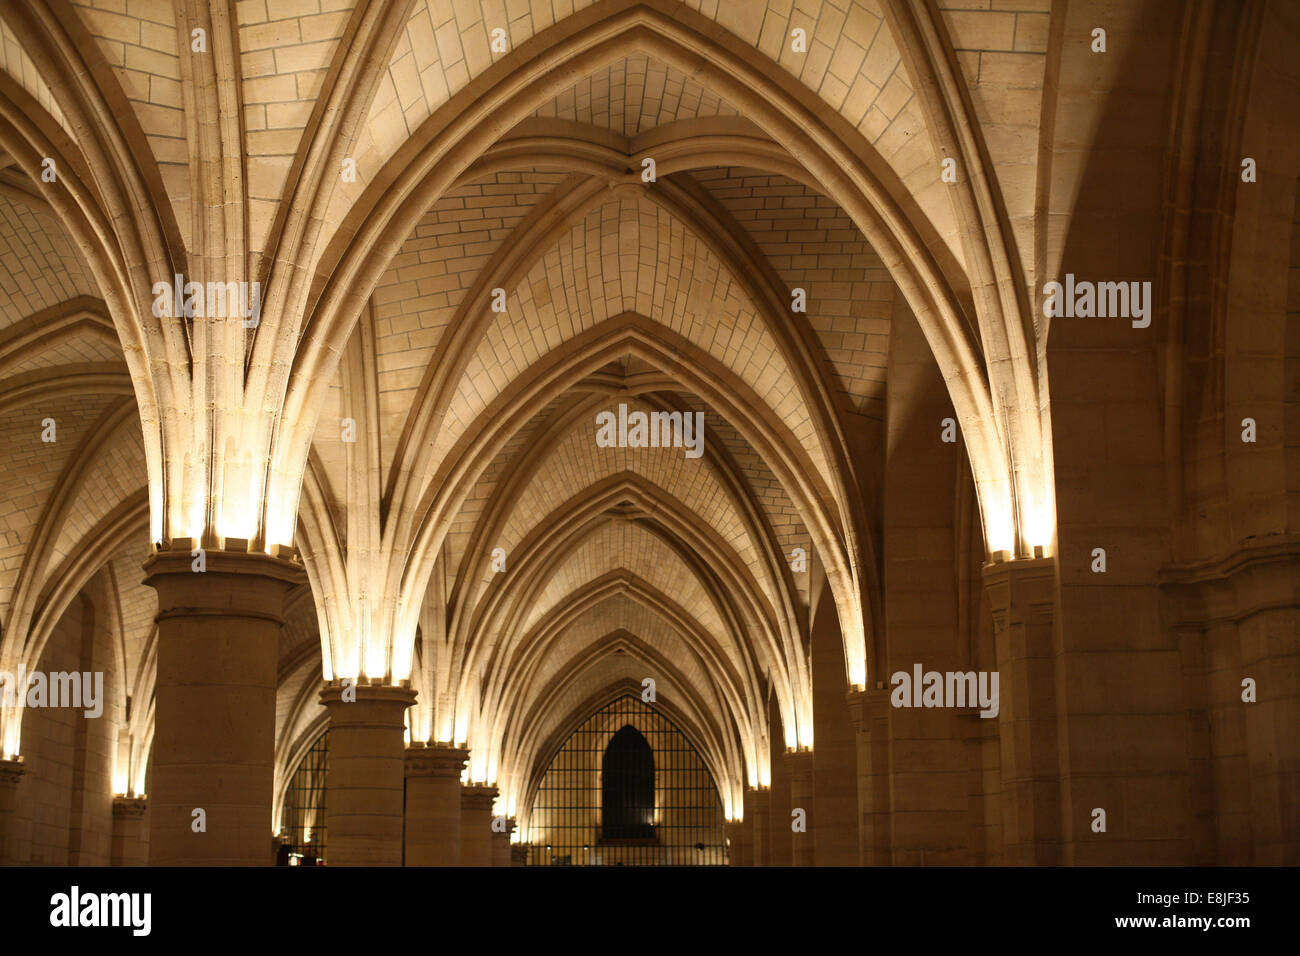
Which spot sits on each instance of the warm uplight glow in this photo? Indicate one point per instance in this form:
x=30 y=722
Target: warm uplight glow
x=402 y=651
x=1039 y=526
x=281 y=513
x=480 y=770
x=806 y=736
x=999 y=527
x=732 y=812
x=12 y=735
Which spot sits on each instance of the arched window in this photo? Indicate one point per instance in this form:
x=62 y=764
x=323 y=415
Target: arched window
x=302 y=833
x=627 y=787
x=594 y=805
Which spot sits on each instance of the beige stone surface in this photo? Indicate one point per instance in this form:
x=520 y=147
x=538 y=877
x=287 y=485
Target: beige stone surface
x=394 y=477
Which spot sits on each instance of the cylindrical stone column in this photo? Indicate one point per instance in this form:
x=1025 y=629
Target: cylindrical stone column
x=366 y=783
x=758 y=820
x=501 y=843
x=433 y=804
x=11 y=775
x=128 y=847
x=219 y=619
x=800 y=763
x=476 y=825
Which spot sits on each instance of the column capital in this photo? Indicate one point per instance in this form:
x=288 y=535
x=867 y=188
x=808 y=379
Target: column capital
x=234 y=586
x=477 y=796
x=866 y=703
x=181 y=562
x=798 y=760
x=436 y=760
x=1002 y=574
x=129 y=808
x=11 y=771
x=332 y=695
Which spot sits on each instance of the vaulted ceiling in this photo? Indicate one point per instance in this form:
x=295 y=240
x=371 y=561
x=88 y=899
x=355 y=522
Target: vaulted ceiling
x=382 y=170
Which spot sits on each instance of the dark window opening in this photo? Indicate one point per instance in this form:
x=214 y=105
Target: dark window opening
x=302 y=832
x=627 y=788
x=573 y=817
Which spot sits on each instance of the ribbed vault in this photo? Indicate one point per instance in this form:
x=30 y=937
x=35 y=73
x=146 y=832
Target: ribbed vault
x=414 y=407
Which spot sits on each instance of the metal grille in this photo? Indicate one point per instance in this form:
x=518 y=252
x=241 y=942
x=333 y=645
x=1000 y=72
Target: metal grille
x=593 y=806
x=302 y=829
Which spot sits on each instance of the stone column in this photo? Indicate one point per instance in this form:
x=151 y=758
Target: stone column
x=519 y=854
x=735 y=830
x=476 y=825
x=800 y=764
x=758 y=822
x=835 y=773
x=778 y=799
x=1022 y=597
x=501 y=843
x=128 y=847
x=433 y=804
x=1270 y=598
x=11 y=775
x=214 y=738
x=366 y=783
x=869 y=711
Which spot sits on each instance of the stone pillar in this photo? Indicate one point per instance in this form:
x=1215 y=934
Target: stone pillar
x=1269 y=656
x=869 y=711
x=476 y=825
x=433 y=804
x=778 y=800
x=501 y=843
x=735 y=830
x=1022 y=597
x=519 y=854
x=835 y=774
x=800 y=764
x=1237 y=618
x=214 y=738
x=128 y=847
x=758 y=821
x=11 y=775
x=366 y=783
